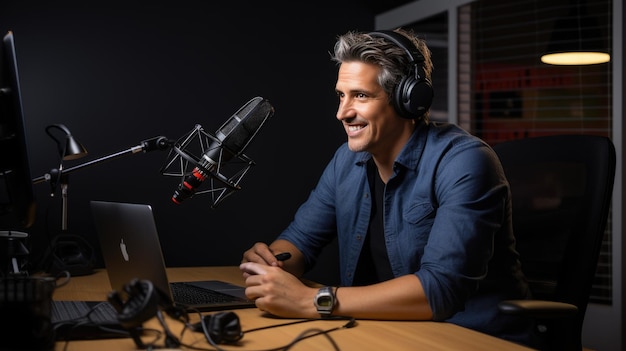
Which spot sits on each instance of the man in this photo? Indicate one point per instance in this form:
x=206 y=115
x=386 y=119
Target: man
x=421 y=211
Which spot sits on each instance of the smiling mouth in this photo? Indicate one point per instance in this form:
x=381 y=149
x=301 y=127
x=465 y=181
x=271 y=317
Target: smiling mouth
x=355 y=128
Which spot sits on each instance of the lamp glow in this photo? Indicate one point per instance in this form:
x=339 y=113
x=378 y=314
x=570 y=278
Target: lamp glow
x=576 y=58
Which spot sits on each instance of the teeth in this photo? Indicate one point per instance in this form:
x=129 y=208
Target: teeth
x=354 y=128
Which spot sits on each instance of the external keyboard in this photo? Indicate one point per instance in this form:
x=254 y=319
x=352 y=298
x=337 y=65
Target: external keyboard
x=92 y=311
x=85 y=320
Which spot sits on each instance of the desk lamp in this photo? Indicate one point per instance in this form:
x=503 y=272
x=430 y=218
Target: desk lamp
x=67 y=252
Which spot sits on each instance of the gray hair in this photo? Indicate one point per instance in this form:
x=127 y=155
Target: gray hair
x=392 y=59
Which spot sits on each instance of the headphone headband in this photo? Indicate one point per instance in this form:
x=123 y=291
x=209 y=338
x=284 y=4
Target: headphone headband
x=413 y=95
x=402 y=42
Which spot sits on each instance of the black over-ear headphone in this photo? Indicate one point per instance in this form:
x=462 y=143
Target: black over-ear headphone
x=221 y=327
x=144 y=301
x=413 y=96
x=141 y=304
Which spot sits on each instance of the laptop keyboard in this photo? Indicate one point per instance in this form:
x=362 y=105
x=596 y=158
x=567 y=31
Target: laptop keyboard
x=190 y=295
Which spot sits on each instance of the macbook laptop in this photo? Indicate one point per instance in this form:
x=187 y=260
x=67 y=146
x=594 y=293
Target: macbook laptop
x=131 y=249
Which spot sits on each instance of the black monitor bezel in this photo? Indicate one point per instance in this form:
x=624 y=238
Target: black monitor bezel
x=17 y=210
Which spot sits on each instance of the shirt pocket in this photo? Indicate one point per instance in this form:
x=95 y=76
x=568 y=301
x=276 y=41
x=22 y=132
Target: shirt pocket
x=420 y=213
x=418 y=220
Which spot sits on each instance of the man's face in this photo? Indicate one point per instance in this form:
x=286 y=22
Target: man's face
x=370 y=121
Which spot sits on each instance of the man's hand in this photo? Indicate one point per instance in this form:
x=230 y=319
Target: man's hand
x=261 y=254
x=279 y=254
x=278 y=292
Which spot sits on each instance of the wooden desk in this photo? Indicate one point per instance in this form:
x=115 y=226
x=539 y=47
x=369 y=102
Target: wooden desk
x=366 y=335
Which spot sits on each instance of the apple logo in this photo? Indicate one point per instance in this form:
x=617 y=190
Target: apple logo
x=123 y=249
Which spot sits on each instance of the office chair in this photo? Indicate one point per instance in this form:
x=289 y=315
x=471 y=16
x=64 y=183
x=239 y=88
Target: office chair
x=561 y=189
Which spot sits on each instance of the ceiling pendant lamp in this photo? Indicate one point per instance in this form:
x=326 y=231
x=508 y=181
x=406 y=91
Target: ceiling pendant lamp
x=576 y=39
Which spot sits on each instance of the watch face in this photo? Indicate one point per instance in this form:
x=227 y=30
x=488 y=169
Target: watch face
x=325 y=301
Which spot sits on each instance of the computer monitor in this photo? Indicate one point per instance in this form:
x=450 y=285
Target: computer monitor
x=17 y=200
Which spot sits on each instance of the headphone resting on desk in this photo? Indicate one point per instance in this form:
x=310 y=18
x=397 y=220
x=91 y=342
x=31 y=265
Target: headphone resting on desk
x=145 y=300
x=222 y=327
x=142 y=304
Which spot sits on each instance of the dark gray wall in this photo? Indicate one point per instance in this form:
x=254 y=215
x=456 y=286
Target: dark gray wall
x=119 y=72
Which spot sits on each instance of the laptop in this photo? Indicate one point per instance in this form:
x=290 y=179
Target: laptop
x=131 y=249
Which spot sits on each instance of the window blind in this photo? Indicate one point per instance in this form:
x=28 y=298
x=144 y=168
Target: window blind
x=506 y=92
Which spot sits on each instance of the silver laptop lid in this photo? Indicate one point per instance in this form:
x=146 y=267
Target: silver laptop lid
x=129 y=243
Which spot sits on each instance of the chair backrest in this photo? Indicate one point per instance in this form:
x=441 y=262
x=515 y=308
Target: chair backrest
x=561 y=189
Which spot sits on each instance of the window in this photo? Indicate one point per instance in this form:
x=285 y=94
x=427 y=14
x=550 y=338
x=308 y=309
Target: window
x=514 y=95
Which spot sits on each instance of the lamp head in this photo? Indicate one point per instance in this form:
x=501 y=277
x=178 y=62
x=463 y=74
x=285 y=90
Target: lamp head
x=576 y=40
x=71 y=149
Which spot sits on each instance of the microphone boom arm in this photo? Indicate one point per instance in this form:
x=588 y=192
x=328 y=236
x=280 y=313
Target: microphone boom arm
x=156 y=143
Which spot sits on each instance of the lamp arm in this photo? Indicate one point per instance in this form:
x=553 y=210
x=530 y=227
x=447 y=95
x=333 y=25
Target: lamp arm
x=156 y=143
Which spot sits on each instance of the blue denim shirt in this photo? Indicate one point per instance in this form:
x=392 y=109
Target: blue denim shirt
x=447 y=219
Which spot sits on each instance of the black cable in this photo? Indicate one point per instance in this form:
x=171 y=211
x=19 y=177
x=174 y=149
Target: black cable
x=280 y=325
x=317 y=331
x=171 y=341
x=302 y=336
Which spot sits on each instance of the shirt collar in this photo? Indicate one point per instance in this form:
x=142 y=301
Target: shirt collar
x=411 y=152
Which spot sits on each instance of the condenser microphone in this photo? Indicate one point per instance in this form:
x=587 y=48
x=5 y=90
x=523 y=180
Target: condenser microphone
x=229 y=141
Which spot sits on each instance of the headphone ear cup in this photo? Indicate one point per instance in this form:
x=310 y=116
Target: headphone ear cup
x=413 y=96
x=414 y=93
x=141 y=305
x=224 y=327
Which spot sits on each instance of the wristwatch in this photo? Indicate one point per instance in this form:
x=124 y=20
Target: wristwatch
x=325 y=301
